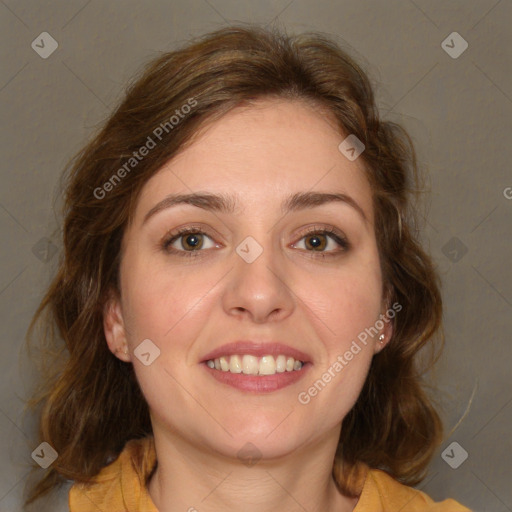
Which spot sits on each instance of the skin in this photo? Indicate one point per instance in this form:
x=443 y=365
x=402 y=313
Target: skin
x=190 y=306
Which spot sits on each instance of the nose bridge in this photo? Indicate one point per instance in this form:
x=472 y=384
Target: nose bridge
x=258 y=284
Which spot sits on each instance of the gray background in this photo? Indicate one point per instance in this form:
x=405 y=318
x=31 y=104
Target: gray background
x=457 y=110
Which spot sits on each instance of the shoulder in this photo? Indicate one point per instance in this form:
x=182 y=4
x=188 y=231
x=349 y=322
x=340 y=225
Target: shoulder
x=381 y=492
x=121 y=481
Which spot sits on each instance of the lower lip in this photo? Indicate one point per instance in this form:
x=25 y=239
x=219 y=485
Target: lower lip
x=258 y=384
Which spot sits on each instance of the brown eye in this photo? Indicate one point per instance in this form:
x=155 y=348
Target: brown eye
x=316 y=242
x=192 y=241
x=324 y=241
x=187 y=241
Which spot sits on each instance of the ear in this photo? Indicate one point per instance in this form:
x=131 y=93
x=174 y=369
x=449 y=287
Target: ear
x=386 y=332
x=388 y=320
x=114 y=328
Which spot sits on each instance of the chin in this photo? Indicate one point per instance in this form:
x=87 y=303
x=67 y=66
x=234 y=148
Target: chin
x=249 y=449
x=264 y=439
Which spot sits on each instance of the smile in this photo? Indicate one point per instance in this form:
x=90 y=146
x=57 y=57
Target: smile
x=252 y=365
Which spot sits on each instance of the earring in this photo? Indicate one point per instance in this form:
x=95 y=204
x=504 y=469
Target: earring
x=381 y=338
x=125 y=350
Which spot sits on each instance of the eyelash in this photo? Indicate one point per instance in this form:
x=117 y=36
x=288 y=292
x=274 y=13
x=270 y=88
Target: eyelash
x=315 y=230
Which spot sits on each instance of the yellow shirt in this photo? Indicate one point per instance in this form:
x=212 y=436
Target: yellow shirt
x=121 y=487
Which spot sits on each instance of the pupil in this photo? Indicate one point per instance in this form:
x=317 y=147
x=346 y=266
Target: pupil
x=192 y=240
x=315 y=242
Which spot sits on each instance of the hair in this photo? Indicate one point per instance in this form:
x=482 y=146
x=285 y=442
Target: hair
x=394 y=425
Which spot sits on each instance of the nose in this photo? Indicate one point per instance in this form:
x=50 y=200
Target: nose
x=259 y=290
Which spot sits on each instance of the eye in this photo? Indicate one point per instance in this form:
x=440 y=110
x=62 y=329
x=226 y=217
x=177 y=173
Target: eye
x=187 y=241
x=323 y=240
x=190 y=241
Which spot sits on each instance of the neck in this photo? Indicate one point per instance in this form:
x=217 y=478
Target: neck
x=188 y=478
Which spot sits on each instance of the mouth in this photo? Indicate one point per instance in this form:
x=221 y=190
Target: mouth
x=257 y=367
x=248 y=364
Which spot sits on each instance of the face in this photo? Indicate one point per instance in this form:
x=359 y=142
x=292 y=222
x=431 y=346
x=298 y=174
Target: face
x=258 y=274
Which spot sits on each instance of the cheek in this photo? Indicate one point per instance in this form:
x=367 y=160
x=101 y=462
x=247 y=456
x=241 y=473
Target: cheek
x=346 y=301
x=164 y=305
x=346 y=307
x=356 y=306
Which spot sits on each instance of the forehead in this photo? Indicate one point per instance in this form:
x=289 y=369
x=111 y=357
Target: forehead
x=259 y=154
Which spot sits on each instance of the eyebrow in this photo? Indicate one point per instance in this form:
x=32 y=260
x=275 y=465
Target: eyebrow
x=223 y=203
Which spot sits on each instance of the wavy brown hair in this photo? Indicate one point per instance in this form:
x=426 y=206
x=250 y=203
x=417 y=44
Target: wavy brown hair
x=83 y=407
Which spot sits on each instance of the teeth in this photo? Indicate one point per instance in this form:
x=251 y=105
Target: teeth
x=281 y=364
x=235 y=365
x=224 y=364
x=267 y=365
x=252 y=365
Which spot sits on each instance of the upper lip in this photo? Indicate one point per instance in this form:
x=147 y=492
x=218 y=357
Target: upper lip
x=258 y=349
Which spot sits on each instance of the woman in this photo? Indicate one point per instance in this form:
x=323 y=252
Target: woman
x=242 y=295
